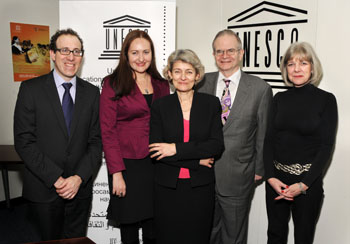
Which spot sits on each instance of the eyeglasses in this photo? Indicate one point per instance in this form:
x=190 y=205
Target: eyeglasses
x=230 y=52
x=65 y=51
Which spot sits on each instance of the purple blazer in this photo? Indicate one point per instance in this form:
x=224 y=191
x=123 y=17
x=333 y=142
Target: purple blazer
x=125 y=124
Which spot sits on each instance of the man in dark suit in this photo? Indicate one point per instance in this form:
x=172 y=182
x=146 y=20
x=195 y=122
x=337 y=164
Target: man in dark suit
x=57 y=135
x=247 y=101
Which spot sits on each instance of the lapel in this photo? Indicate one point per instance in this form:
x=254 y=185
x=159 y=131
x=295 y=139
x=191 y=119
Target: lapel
x=54 y=99
x=178 y=118
x=137 y=98
x=195 y=109
x=240 y=99
x=80 y=96
x=156 y=89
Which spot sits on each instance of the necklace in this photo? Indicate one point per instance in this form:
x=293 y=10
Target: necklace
x=144 y=84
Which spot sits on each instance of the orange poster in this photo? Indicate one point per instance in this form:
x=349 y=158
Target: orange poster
x=30 y=50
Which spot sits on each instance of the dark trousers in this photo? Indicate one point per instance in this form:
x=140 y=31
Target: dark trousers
x=184 y=215
x=130 y=232
x=305 y=210
x=61 y=218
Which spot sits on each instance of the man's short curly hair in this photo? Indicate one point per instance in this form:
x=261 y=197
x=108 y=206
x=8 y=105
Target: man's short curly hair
x=59 y=33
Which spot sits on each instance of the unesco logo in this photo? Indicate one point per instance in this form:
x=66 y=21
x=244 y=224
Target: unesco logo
x=266 y=31
x=115 y=32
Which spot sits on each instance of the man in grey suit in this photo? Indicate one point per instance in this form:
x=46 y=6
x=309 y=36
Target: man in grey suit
x=241 y=164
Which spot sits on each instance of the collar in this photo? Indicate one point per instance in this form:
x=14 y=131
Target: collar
x=59 y=80
x=235 y=77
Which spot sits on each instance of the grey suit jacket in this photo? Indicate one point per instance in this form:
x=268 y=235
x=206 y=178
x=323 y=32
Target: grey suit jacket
x=244 y=134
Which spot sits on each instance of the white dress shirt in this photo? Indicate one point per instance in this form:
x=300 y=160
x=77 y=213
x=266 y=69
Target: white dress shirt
x=234 y=81
x=59 y=81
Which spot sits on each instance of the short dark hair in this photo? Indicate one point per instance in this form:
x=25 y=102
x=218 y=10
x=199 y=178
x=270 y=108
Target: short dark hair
x=59 y=33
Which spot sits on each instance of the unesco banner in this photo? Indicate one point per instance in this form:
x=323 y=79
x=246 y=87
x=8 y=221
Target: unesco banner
x=103 y=25
x=266 y=29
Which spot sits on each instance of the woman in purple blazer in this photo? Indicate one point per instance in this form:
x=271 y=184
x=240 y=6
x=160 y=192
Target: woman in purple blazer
x=126 y=97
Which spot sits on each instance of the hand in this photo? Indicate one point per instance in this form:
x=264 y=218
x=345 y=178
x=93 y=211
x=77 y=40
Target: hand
x=257 y=178
x=208 y=162
x=162 y=150
x=119 y=186
x=70 y=187
x=59 y=182
x=294 y=190
x=280 y=189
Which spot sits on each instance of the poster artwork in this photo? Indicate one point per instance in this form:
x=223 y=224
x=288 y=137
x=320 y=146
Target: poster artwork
x=30 y=50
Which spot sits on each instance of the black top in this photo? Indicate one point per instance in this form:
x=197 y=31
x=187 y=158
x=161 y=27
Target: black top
x=148 y=98
x=301 y=130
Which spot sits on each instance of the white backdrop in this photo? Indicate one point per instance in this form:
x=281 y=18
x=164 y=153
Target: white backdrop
x=103 y=26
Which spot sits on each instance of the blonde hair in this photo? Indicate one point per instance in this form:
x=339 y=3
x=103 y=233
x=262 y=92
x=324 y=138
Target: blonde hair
x=303 y=51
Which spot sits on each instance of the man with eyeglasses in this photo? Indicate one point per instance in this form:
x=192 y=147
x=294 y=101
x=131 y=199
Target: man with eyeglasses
x=57 y=135
x=246 y=102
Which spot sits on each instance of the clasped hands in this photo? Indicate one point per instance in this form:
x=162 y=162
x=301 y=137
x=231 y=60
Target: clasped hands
x=161 y=150
x=284 y=191
x=67 y=188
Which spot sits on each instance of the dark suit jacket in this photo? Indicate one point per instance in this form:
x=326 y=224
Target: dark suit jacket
x=244 y=133
x=206 y=138
x=125 y=124
x=43 y=143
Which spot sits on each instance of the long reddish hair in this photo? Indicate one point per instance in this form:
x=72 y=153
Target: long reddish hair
x=122 y=79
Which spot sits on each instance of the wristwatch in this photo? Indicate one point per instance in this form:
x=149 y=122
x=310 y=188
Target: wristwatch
x=301 y=188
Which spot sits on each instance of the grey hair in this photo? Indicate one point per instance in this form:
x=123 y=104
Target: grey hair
x=230 y=33
x=186 y=56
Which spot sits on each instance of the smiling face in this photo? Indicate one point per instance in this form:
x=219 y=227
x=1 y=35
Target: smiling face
x=66 y=65
x=299 y=71
x=140 y=55
x=183 y=76
x=227 y=54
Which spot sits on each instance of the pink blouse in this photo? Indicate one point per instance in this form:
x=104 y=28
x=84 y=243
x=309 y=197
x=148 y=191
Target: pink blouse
x=184 y=172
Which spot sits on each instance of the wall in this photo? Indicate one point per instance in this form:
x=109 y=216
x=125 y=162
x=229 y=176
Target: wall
x=40 y=12
x=197 y=24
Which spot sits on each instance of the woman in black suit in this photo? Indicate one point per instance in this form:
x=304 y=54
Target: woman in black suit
x=185 y=137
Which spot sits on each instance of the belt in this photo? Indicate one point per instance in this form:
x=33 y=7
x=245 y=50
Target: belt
x=293 y=169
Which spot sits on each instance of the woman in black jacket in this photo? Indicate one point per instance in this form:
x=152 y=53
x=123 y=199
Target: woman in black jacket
x=185 y=137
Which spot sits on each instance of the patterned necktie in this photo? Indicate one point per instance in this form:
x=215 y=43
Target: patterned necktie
x=67 y=105
x=225 y=102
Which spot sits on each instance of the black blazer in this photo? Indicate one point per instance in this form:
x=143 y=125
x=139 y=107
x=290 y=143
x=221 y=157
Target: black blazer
x=42 y=141
x=206 y=138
